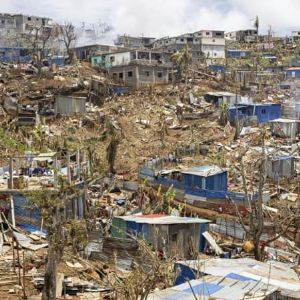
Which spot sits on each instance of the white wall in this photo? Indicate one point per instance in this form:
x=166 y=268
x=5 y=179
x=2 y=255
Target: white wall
x=122 y=58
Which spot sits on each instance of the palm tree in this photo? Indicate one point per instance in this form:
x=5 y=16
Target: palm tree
x=183 y=59
x=256 y=24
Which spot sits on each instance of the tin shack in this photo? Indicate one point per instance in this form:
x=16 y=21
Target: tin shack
x=170 y=234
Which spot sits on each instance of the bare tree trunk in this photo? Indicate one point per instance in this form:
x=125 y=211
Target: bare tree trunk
x=49 y=291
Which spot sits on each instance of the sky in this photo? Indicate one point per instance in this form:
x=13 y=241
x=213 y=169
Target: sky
x=158 y=18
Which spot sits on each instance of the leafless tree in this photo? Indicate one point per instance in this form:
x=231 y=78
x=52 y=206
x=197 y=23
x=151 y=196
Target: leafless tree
x=254 y=224
x=66 y=34
x=37 y=41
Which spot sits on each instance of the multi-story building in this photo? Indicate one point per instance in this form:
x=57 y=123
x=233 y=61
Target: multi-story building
x=8 y=23
x=135 y=68
x=25 y=23
x=134 y=42
x=202 y=44
x=13 y=27
x=242 y=36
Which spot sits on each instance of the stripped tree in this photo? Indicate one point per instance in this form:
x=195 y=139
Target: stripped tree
x=66 y=34
x=254 y=223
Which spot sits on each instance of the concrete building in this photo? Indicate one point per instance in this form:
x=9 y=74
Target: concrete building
x=137 y=75
x=212 y=43
x=244 y=36
x=132 y=42
x=8 y=24
x=25 y=23
x=88 y=51
x=202 y=44
x=295 y=35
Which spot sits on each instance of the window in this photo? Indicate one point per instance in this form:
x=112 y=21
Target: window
x=112 y=59
x=121 y=75
x=3 y=21
x=130 y=73
x=196 y=40
x=263 y=111
x=114 y=74
x=95 y=61
x=215 y=54
x=218 y=33
x=159 y=74
x=207 y=33
x=181 y=40
x=214 y=40
x=29 y=18
x=147 y=73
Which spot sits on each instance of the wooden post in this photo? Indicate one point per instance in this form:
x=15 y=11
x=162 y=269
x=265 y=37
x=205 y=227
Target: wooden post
x=24 y=279
x=12 y=208
x=11 y=177
x=55 y=171
x=14 y=256
x=69 y=168
x=78 y=163
x=19 y=264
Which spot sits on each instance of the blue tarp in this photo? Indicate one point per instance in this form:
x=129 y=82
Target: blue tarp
x=238 y=277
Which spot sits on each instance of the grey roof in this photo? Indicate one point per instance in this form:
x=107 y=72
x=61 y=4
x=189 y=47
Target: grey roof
x=274 y=273
x=216 y=287
x=163 y=219
x=204 y=171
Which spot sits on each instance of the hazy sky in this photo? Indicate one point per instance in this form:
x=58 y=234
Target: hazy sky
x=166 y=17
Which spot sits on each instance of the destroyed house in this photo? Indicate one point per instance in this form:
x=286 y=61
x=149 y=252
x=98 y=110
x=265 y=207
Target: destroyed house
x=281 y=166
x=164 y=233
x=262 y=112
x=285 y=128
x=217 y=98
x=238 y=53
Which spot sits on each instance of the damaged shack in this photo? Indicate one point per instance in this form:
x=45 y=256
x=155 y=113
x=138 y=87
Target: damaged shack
x=165 y=233
x=69 y=105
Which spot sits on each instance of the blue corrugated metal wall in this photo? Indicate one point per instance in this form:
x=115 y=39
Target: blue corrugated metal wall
x=217 y=182
x=290 y=73
x=264 y=113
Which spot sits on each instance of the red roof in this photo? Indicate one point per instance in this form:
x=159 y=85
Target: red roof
x=151 y=216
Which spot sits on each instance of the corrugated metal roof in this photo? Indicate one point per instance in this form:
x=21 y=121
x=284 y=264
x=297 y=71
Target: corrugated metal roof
x=281 y=120
x=221 y=94
x=163 y=220
x=273 y=273
x=204 y=171
x=215 y=287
